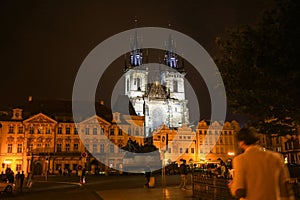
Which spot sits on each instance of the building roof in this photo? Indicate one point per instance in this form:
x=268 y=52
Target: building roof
x=59 y=110
x=124 y=106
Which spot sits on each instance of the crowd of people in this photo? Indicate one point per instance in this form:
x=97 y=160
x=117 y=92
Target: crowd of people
x=21 y=182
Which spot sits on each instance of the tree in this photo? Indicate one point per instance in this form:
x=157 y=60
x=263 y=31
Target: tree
x=259 y=68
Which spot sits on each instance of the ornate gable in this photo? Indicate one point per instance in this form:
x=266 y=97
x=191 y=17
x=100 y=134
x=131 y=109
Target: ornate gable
x=94 y=120
x=216 y=125
x=40 y=118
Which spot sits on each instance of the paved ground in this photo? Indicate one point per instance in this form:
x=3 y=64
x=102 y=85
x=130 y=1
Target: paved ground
x=172 y=193
x=103 y=188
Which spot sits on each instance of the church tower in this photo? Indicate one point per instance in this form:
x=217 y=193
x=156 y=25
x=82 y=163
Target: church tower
x=136 y=77
x=157 y=92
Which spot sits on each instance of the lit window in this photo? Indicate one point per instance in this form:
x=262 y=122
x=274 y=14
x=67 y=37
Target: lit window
x=11 y=129
x=102 y=131
x=111 y=148
x=75 y=147
x=20 y=130
x=136 y=131
x=30 y=147
x=120 y=132
x=40 y=130
x=68 y=130
x=175 y=86
x=9 y=148
x=94 y=148
x=68 y=147
x=95 y=131
x=87 y=131
x=58 y=147
x=111 y=131
x=180 y=150
x=19 y=149
x=39 y=145
x=192 y=150
x=101 y=148
x=18 y=167
x=74 y=166
x=47 y=130
x=59 y=130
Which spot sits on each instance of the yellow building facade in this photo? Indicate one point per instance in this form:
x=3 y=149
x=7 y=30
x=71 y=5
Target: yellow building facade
x=49 y=140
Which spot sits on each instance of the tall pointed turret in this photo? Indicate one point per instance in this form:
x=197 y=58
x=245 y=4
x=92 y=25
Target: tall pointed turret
x=170 y=56
x=136 y=53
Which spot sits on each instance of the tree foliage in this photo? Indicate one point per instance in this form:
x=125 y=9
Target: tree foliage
x=259 y=68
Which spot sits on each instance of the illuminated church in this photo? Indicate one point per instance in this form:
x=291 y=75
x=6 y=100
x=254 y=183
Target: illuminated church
x=157 y=91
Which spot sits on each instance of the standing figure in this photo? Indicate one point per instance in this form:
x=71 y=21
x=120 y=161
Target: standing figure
x=183 y=175
x=82 y=177
x=29 y=181
x=223 y=170
x=10 y=176
x=21 y=177
x=17 y=178
x=258 y=173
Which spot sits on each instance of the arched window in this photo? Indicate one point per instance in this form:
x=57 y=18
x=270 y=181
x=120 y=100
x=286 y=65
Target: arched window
x=138 y=84
x=175 y=86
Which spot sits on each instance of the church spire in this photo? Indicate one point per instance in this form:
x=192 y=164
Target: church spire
x=136 y=53
x=170 y=56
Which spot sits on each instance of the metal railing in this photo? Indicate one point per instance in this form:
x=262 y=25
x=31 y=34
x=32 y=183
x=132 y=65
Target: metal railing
x=210 y=188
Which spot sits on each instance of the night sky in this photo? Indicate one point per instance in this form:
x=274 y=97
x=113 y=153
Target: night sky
x=43 y=43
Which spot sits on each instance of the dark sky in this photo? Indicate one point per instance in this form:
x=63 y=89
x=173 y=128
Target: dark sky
x=43 y=42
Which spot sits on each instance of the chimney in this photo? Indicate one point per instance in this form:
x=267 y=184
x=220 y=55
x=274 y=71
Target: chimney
x=30 y=98
x=17 y=114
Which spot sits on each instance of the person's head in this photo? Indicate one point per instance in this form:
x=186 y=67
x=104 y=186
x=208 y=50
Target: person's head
x=246 y=137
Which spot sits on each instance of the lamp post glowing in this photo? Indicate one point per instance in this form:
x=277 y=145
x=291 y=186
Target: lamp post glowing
x=230 y=153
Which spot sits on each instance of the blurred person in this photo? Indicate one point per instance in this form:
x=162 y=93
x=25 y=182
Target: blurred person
x=183 y=175
x=258 y=174
x=21 y=180
x=29 y=181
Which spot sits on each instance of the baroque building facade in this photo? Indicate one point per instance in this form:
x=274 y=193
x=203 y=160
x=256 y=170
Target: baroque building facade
x=41 y=136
